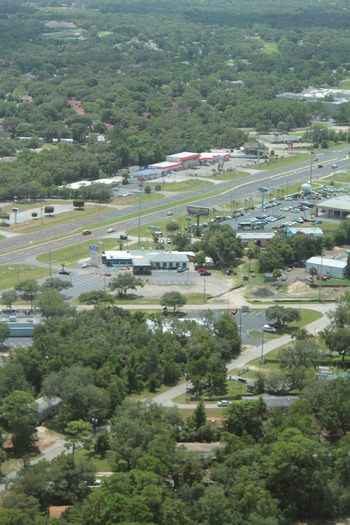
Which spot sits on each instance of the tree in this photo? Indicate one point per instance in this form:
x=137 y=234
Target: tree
x=173 y=300
x=221 y=244
x=29 y=289
x=180 y=241
x=340 y=315
x=282 y=315
x=124 y=282
x=304 y=353
x=96 y=297
x=55 y=283
x=338 y=340
x=51 y=304
x=313 y=271
x=172 y=227
x=246 y=417
x=18 y=411
x=78 y=434
x=296 y=467
x=8 y=297
x=4 y=332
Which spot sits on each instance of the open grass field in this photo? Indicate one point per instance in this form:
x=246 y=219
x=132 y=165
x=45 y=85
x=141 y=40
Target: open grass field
x=281 y=162
x=182 y=186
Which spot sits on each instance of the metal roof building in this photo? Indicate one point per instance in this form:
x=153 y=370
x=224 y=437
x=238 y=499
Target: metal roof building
x=330 y=267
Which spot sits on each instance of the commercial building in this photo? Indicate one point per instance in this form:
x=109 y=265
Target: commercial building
x=259 y=238
x=310 y=232
x=330 y=267
x=186 y=158
x=142 y=260
x=334 y=208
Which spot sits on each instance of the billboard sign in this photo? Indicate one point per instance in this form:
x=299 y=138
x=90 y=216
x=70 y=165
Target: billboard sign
x=263 y=190
x=93 y=251
x=198 y=210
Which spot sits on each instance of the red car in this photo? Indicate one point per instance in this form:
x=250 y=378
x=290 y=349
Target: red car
x=200 y=270
x=322 y=277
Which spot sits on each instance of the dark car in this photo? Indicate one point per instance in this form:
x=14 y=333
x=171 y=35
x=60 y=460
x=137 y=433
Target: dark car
x=86 y=232
x=64 y=272
x=245 y=278
x=320 y=165
x=123 y=237
x=205 y=273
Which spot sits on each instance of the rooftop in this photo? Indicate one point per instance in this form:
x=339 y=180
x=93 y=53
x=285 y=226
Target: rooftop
x=341 y=202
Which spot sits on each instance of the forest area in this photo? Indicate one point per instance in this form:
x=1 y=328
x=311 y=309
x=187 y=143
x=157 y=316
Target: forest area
x=154 y=78
x=181 y=77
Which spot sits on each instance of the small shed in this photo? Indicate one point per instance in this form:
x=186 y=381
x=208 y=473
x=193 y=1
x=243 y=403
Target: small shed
x=47 y=407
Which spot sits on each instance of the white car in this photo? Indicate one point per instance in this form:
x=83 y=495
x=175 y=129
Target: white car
x=269 y=329
x=85 y=265
x=110 y=230
x=223 y=403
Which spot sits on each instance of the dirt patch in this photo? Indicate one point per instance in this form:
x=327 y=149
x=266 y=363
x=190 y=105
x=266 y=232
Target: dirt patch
x=263 y=292
x=200 y=447
x=298 y=288
x=46 y=438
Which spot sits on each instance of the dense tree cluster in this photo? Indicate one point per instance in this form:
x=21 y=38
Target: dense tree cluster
x=159 y=87
x=93 y=359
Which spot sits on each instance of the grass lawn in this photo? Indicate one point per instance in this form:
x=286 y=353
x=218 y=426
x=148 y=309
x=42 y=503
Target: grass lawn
x=338 y=177
x=57 y=220
x=101 y=465
x=75 y=253
x=281 y=162
x=182 y=186
x=10 y=276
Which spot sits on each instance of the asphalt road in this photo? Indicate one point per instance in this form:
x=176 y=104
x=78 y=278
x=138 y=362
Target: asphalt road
x=243 y=188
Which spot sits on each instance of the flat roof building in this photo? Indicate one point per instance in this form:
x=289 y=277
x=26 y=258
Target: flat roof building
x=186 y=158
x=336 y=207
x=146 y=259
x=311 y=232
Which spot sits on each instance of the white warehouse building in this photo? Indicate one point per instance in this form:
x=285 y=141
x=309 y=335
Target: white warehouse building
x=330 y=267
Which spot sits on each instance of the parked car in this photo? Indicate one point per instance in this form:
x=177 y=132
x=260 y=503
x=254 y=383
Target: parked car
x=180 y=270
x=205 y=273
x=223 y=403
x=322 y=277
x=269 y=329
x=64 y=272
x=200 y=270
x=245 y=278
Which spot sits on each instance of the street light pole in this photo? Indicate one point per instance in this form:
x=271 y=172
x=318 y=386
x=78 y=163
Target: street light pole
x=320 y=279
x=139 y=218
x=204 y=289
x=262 y=348
x=311 y=160
x=50 y=272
